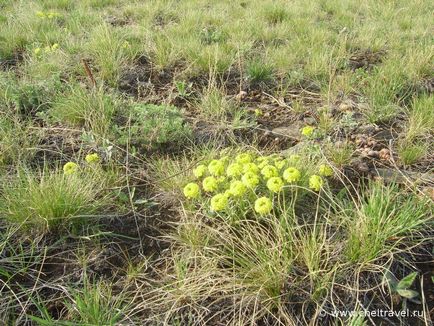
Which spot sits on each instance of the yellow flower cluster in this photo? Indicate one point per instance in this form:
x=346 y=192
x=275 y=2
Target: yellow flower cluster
x=48 y=15
x=248 y=180
x=307 y=131
x=72 y=168
x=46 y=50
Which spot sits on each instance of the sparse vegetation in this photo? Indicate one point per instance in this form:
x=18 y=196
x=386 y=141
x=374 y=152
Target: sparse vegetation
x=215 y=162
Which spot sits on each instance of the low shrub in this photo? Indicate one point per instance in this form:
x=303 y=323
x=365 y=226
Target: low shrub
x=154 y=125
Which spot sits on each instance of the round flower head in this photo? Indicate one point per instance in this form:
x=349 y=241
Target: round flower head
x=243 y=158
x=263 y=163
x=70 y=168
x=280 y=164
x=315 y=182
x=52 y=14
x=325 y=170
x=291 y=174
x=263 y=205
x=199 y=171
x=250 y=179
x=216 y=167
x=219 y=202
x=209 y=184
x=269 y=171
x=92 y=158
x=275 y=184
x=307 y=131
x=234 y=170
x=237 y=188
x=191 y=190
x=250 y=167
x=55 y=46
x=37 y=51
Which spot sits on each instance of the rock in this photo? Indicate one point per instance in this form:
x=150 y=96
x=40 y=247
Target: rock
x=293 y=150
x=346 y=106
x=292 y=131
x=367 y=129
x=241 y=95
x=309 y=121
x=384 y=154
x=397 y=176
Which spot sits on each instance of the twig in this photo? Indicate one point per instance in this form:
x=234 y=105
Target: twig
x=88 y=72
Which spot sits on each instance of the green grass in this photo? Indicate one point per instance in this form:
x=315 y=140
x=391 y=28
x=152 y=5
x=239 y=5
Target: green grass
x=49 y=201
x=19 y=141
x=93 y=109
x=383 y=219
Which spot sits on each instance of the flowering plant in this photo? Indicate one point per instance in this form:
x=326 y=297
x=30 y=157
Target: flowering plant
x=249 y=183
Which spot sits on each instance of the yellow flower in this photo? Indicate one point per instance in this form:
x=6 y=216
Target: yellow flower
x=325 y=170
x=263 y=205
x=54 y=47
x=52 y=14
x=307 y=131
x=263 y=163
x=250 y=179
x=219 y=202
x=37 y=51
x=269 y=171
x=250 y=167
x=199 y=171
x=237 y=188
x=191 y=190
x=92 y=158
x=258 y=112
x=291 y=174
x=209 y=184
x=243 y=158
x=234 y=170
x=70 y=168
x=280 y=164
x=315 y=182
x=126 y=45
x=275 y=184
x=40 y=14
x=216 y=167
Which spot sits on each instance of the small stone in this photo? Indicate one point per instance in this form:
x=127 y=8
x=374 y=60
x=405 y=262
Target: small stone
x=309 y=120
x=241 y=95
x=359 y=165
x=287 y=132
x=384 y=154
x=372 y=153
x=367 y=129
x=345 y=106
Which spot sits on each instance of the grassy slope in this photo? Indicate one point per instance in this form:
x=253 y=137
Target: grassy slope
x=77 y=77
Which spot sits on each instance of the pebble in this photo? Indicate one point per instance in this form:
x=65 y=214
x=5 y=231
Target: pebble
x=241 y=95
